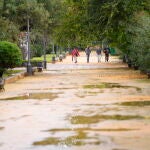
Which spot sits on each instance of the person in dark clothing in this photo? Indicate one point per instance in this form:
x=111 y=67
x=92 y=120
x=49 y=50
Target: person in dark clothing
x=88 y=52
x=106 y=52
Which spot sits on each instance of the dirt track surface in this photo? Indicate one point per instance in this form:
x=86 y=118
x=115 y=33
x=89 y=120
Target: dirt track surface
x=99 y=106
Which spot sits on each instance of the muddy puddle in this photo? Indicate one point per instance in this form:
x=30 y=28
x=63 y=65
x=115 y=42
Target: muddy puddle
x=96 y=130
x=136 y=103
x=98 y=118
x=78 y=137
x=36 y=96
x=110 y=86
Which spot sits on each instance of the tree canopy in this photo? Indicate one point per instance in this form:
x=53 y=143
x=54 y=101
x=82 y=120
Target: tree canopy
x=68 y=23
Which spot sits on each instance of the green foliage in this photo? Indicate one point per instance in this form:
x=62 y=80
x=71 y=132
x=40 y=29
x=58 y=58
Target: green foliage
x=11 y=72
x=10 y=55
x=72 y=29
x=137 y=40
x=8 y=30
x=48 y=58
x=37 y=50
x=68 y=23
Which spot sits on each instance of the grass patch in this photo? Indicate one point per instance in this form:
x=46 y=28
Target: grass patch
x=48 y=58
x=9 y=73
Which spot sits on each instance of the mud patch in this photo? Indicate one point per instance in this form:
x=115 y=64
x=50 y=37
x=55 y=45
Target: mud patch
x=136 y=103
x=108 y=85
x=1 y=128
x=97 y=118
x=36 y=96
x=48 y=141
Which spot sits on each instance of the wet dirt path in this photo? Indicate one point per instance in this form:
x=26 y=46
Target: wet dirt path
x=70 y=106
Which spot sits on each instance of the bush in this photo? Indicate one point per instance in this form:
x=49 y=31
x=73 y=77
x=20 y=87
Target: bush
x=145 y=63
x=34 y=63
x=10 y=56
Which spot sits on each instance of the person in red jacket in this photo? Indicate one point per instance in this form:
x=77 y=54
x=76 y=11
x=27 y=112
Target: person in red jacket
x=75 y=54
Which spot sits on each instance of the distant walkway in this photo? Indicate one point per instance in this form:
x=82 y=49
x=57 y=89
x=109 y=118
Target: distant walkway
x=93 y=59
x=67 y=63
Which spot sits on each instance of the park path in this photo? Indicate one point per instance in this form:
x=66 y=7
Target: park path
x=99 y=106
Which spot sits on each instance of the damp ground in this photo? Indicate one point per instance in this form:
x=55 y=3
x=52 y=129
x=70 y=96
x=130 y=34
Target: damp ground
x=80 y=106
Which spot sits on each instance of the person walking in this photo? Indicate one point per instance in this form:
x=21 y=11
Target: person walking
x=72 y=54
x=106 y=52
x=99 y=54
x=88 y=52
x=75 y=54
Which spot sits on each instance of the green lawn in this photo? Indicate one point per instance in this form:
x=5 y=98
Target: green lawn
x=48 y=58
x=9 y=73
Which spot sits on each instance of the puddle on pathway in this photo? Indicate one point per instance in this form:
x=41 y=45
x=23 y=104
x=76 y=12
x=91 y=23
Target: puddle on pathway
x=136 y=103
x=36 y=96
x=80 y=138
x=109 y=85
x=89 y=129
x=86 y=131
x=98 y=118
